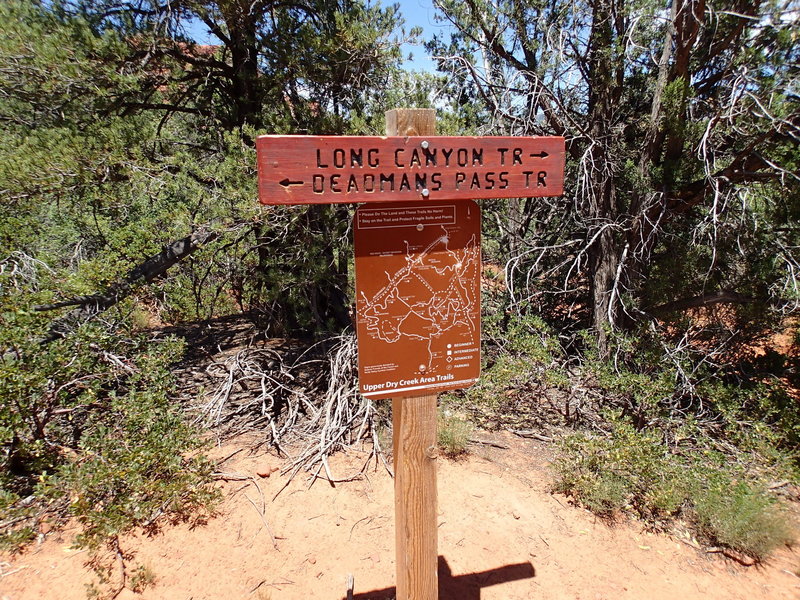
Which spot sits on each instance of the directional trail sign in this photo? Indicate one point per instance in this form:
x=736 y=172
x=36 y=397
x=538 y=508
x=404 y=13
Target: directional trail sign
x=418 y=269
x=298 y=169
x=418 y=272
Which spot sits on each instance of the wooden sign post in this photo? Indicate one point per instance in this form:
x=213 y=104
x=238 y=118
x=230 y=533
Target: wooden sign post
x=415 y=450
x=307 y=169
x=417 y=277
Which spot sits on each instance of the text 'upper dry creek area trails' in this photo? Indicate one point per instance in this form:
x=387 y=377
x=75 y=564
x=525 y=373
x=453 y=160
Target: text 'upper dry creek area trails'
x=325 y=169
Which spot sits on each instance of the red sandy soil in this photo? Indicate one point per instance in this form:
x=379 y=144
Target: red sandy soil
x=501 y=536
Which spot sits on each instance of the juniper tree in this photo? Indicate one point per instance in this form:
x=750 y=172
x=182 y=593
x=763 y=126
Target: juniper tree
x=681 y=120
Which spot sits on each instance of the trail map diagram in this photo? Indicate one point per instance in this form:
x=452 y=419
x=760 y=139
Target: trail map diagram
x=447 y=301
x=418 y=297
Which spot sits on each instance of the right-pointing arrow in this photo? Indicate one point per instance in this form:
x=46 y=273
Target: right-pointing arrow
x=541 y=154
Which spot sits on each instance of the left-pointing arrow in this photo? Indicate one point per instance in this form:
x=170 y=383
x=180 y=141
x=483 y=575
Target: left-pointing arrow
x=287 y=182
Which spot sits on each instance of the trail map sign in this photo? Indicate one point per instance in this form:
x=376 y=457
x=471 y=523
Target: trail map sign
x=297 y=169
x=418 y=272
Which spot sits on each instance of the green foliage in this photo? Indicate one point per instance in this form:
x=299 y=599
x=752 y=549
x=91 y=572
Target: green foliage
x=86 y=423
x=136 y=144
x=15 y=538
x=757 y=415
x=630 y=470
x=56 y=71
x=746 y=399
x=680 y=178
x=453 y=433
x=636 y=378
x=139 y=462
x=738 y=515
x=656 y=443
x=530 y=337
x=121 y=136
x=142 y=578
x=518 y=353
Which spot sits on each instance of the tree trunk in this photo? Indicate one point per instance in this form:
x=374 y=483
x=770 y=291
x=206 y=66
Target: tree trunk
x=245 y=93
x=603 y=265
x=602 y=206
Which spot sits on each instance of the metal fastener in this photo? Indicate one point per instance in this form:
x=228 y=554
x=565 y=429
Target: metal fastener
x=424 y=144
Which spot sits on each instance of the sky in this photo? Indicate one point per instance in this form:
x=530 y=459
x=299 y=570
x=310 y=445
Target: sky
x=419 y=13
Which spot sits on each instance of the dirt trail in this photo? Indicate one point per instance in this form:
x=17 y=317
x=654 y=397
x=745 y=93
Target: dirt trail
x=501 y=536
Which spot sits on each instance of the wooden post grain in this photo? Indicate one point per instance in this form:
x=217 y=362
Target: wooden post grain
x=415 y=450
x=411 y=121
x=415 y=502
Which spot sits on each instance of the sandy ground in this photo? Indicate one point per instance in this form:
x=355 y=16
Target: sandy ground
x=501 y=536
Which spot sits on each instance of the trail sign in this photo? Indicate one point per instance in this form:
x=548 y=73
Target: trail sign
x=297 y=169
x=418 y=270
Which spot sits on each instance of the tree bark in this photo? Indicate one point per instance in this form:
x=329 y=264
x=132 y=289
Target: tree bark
x=722 y=297
x=242 y=27
x=602 y=209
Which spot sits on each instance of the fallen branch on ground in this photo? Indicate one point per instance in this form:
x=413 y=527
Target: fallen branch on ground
x=312 y=398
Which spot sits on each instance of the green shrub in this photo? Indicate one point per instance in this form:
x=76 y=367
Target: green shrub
x=14 y=538
x=736 y=515
x=142 y=578
x=453 y=434
x=519 y=353
x=758 y=415
x=628 y=470
x=134 y=468
x=632 y=470
x=88 y=429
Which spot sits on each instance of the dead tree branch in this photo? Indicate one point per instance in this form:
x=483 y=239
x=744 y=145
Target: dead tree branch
x=89 y=307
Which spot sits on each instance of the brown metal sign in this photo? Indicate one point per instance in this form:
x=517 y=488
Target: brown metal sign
x=296 y=169
x=418 y=269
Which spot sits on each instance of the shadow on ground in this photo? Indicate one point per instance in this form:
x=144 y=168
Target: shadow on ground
x=461 y=587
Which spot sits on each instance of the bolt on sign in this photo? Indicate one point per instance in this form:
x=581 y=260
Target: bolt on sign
x=298 y=169
x=418 y=272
